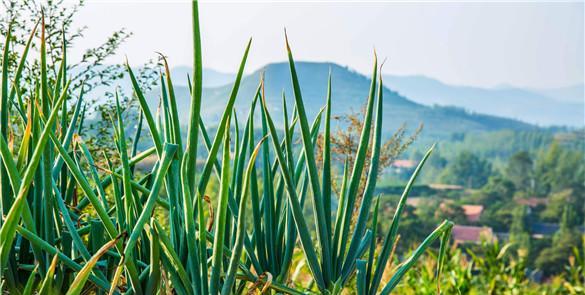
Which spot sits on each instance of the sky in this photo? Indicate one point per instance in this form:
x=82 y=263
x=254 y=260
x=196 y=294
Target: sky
x=488 y=44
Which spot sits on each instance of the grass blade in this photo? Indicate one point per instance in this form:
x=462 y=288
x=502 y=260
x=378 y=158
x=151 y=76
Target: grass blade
x=20 y=67
x=196 y=93
x=174 y=114
x=241 y=229
x=358 y=166
x=5 y=199
x=77 y=286
x=8 y=230
x=47 y=285
x=372 y=250
x=154 y=275
x=145 y=110
x=30 y=283
x=366 y=203
x=69 y=134
x=100 y=210
x=320 y=220
x=173 y=258
x=326 y=175
x=296 y=208
x=445 y=227
x=361 y=276
x=219 y=235
x=167 y=156
x=51 y=250
x=391 y=236
x=210 y=162
x=441 y=258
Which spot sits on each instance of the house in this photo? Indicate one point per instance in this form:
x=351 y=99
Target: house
x=400 y=166
x=540 y=230
x=405 y=164
x=414 y=201
x=445 y=187
x=472 y=212
x=531 y=202
x=471 y=234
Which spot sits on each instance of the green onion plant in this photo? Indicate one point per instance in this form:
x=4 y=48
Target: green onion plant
x=69 y=226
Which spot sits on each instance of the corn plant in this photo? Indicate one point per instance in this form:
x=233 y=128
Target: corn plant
x=67 y=221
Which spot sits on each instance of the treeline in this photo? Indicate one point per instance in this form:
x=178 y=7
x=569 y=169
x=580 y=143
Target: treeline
x=498 y=146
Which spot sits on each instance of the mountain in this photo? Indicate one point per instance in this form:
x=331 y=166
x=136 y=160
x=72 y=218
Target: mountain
x=349 y=93
x=543 y=107
x=574 y=93
x=211 y=77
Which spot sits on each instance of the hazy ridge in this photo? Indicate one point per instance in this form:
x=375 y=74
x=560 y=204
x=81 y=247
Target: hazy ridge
x=349 y=92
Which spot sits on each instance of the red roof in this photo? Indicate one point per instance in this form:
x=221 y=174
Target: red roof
x=472 y=212
x=444 y=186
x=414 y=201
x=466 y=233
x=404 y=164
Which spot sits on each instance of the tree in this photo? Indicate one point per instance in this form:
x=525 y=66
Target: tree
x=345 y=142
x=497 y=197
x=87 y=75
x=468 y=170
x=519 y=235
x=553 y=260
x=450 y=211
x=558 y=169
x=520 y=171
x=499 y=188
x=557 y=202
x=89 y=72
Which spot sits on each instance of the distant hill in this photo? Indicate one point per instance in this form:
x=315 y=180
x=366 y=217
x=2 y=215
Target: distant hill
x=211 y=77
x=574 y=94
x=350 y=90
x=563 y=106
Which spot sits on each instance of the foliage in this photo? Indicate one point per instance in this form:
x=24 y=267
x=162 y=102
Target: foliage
x=468 y=169
x=345 y=141
x=553 y=259
x=90 y=72
x=519 y=232
x=514 y=202
x=497 y=189
x=520 y=171
x=451 y=211
x=557 y=202
x=91 y=78
x=558 y=168
x=502 y=144
x=490 y=269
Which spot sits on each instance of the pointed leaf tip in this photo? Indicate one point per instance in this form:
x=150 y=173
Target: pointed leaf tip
x=381 y=66
x=286 y=40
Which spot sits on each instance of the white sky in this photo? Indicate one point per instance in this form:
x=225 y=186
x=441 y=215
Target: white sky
x=484 y=43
